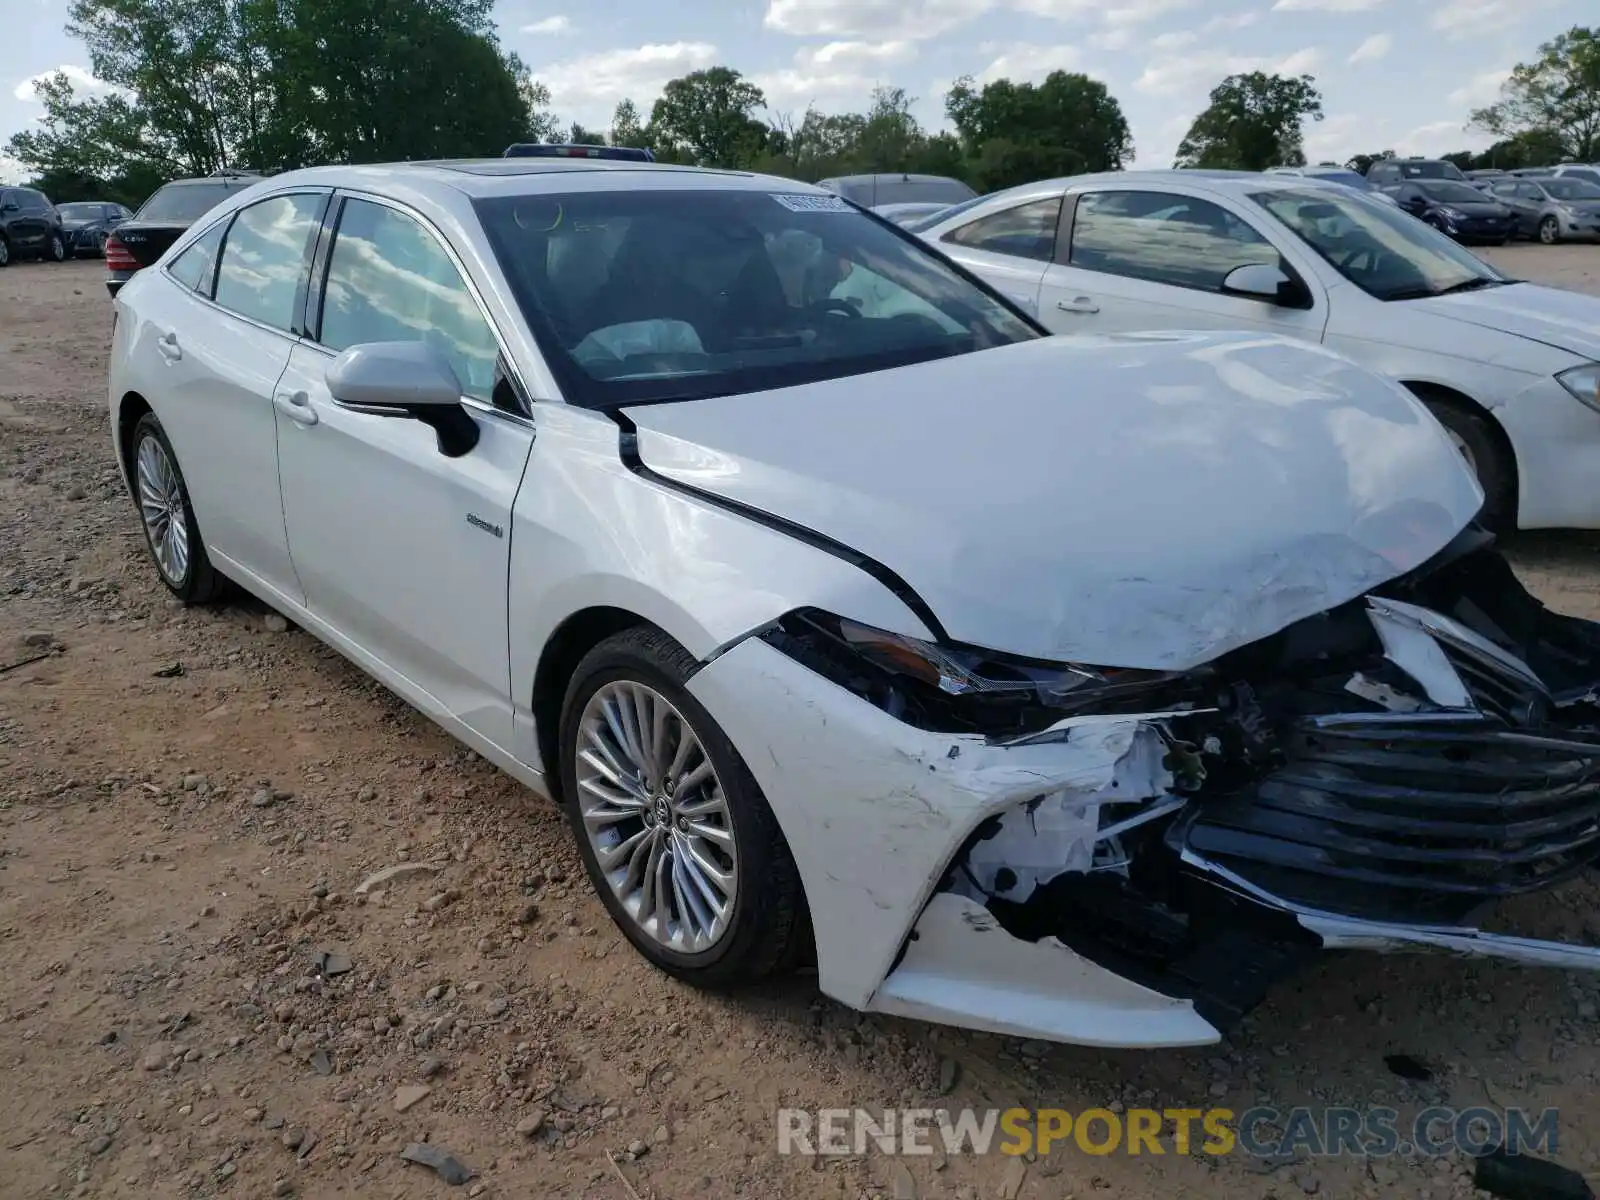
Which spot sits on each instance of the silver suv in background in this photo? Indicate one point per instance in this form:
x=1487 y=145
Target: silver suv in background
x=1588 y=172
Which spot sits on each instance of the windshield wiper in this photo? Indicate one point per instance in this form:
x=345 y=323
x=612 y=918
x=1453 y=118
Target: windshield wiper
x=1466 y=285
x=1472 y=285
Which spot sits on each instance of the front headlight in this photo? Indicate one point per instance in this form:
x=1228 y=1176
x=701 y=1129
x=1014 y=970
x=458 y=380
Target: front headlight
x=963 y=689
x=1450 y=214
x=1584 y=383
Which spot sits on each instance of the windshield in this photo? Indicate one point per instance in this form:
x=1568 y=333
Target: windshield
x=1446 y=192
x=918 y=224
x=1571 y=189
x=79 y=212
x=1430 y=170
x=184 y=202
x=658 y=295
x=1384 y=251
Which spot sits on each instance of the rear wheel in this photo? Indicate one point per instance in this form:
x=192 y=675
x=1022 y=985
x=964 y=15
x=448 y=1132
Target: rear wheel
x=168 y=518
x=1477 y=444
x=1549 y=231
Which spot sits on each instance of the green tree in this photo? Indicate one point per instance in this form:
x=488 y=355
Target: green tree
x=1011 y=133
x=626 y=127
x=205 y=84
x=580 y=135
x=708 y=117
x=1252 y=122
x=1555 y=99
x=1360 y=162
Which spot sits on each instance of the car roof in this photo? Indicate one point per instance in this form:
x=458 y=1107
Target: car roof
x=490 y=177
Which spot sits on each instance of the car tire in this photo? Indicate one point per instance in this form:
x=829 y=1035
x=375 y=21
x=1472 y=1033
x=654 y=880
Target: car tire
x=165 y=512
x=1474 y=438
x=5 y=252
x=1549 y=231
x=763 y=928
x=57 y=250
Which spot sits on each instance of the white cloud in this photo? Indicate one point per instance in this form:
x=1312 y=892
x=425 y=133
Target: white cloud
x=1026 y=63
x=1139 y=11
x=594 y=83
x=1325 y=5
x=1230 y=21
x=1441 y=137
x=895 y=19
x=11 y=171
x=1477 y=18
x=80 y=78
x=1374 y=48
x=837 y=73
x=549 y=26
x=1178 y=74
x=1341 y=137
x=1481 y=90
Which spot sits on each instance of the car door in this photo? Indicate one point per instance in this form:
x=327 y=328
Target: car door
x=1009 y=249
x=221 y=319
x=1142 y=258
x=403 y=551
x=1522 y=199
x=25 y=225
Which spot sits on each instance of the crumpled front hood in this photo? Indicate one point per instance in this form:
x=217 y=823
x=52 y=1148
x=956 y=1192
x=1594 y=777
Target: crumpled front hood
x=1555 y=317
x=1148 y=500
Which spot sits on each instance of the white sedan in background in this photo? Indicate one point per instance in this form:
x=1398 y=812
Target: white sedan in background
x=1509 y=368
x=1069 y=688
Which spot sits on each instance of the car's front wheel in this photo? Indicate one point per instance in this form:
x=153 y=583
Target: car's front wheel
x=5 y=251
x=1549 y=231
x=1477 y=445
x=168 y=517
x=57 y=250
x=673 y=829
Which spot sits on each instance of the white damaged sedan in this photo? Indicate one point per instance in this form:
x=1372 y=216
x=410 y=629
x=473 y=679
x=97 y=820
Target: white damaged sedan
x=1076 y=688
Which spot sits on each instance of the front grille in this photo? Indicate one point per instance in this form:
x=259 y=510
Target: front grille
x=1412 y=816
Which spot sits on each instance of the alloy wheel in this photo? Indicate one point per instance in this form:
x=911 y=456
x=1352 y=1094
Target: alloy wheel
x=58 y=248
x=1460 y=443
x=5 y=253
x=656 y=817
x=161 y=505
x=1549 y=233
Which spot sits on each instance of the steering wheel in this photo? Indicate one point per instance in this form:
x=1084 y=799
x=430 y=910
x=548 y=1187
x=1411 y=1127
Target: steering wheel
x=832 y=304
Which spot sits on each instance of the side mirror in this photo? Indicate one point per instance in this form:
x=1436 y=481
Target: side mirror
x=1261 y=281
x=10 y=206
x=405 y=379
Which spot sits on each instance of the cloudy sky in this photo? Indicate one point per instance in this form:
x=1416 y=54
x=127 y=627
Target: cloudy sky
x=1400 y=74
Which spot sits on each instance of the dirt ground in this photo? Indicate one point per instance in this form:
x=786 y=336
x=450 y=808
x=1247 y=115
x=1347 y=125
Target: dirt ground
x=189 y=798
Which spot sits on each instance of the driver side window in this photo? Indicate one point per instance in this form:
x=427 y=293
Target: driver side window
x=389 y=280
x=1164 y=238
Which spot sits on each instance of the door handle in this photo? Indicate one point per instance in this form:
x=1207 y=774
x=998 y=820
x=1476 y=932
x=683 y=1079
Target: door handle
x=167 y=346
x=296 y=406
x=1078 y=304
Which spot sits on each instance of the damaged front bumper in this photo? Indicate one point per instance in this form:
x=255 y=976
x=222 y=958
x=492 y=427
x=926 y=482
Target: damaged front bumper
x=1373 y=778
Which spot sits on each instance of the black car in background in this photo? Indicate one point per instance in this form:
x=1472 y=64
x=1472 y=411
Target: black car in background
x=30 y=227
x=86 y=225
x=1458 y=209
x=160 y=221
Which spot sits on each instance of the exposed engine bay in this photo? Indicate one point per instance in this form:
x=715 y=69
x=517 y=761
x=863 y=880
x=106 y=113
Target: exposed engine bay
x=1376 y=775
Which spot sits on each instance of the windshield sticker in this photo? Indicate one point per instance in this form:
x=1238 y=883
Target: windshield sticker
x=799 y=202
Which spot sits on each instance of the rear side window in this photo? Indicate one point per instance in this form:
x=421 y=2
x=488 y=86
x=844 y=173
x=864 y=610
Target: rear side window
x=196 y=267
x=389 y=280
x=265 y=258
x=1164 y=238
x=1026 y=231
